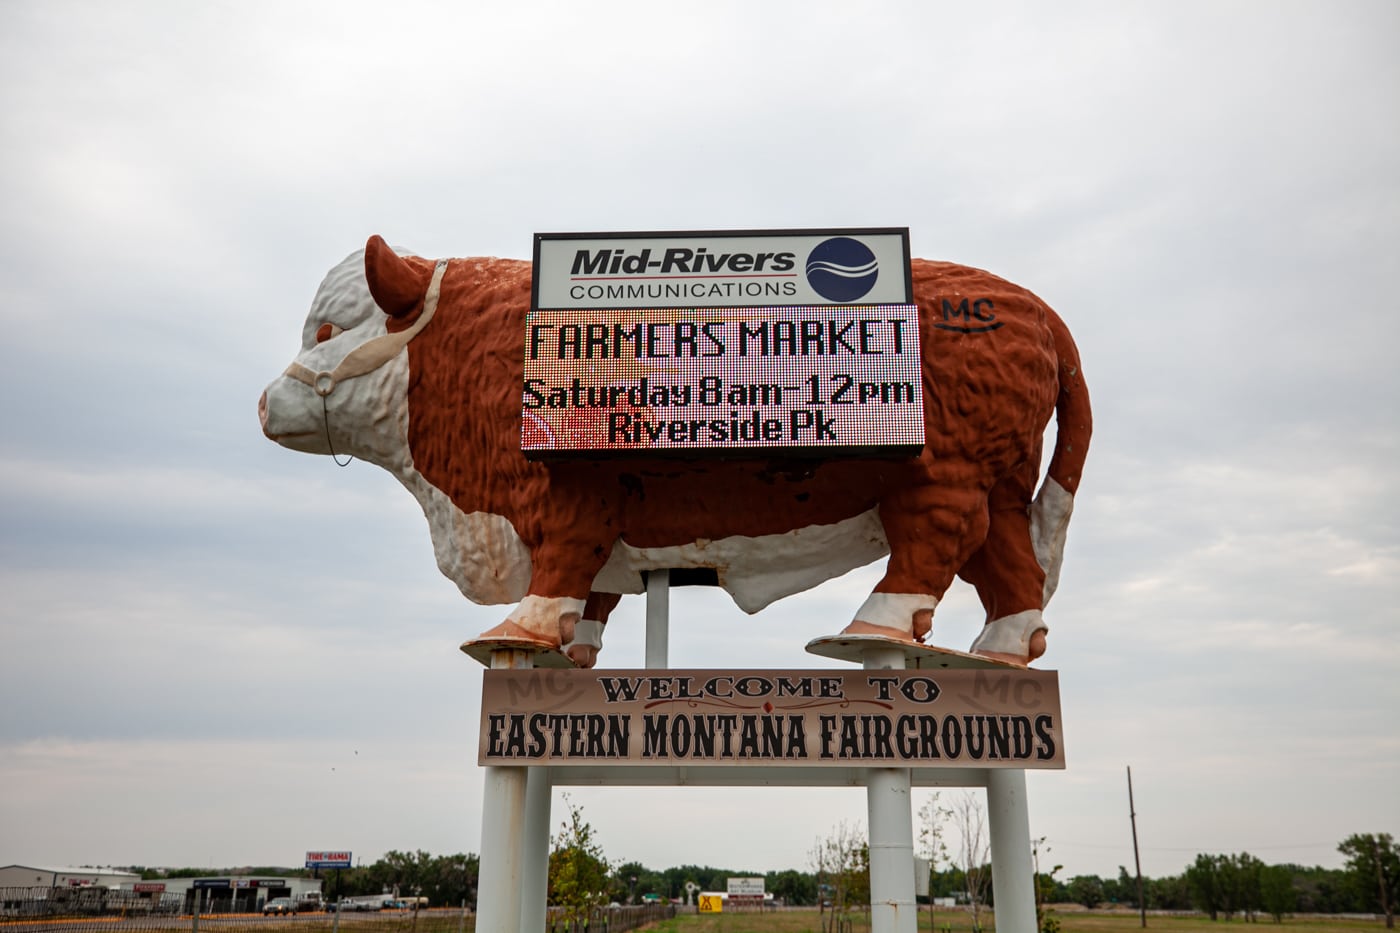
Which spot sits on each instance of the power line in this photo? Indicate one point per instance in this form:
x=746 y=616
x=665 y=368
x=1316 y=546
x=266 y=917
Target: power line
x=1096 y=845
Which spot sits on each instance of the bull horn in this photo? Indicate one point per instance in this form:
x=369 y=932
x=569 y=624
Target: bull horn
x=396 y=286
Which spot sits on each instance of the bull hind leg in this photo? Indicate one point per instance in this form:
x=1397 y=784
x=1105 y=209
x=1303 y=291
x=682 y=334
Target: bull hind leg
x=588 y=632
x=1009 y=579
x=932 y=529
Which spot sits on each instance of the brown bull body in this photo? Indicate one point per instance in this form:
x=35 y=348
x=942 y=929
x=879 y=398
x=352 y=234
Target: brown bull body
x=964 y=505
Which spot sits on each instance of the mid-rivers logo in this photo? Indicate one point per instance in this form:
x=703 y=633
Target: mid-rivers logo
x=842 y=269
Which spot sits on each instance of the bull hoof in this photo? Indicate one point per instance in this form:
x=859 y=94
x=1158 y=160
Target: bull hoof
x=567 y=622
x=511 y=631
x=584 y=656
x=858 y=627
x=1036 y=648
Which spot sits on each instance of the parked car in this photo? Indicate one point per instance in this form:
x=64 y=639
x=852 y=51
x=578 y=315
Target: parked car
x=280 y=905
x=309 y=903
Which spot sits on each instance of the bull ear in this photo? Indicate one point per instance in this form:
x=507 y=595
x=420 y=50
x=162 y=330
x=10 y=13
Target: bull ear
x=396 y=286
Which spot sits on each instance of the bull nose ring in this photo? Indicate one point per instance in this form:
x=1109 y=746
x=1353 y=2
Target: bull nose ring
x=324 y=383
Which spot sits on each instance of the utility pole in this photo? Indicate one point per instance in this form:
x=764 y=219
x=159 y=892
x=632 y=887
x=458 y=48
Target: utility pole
x=1137 y=862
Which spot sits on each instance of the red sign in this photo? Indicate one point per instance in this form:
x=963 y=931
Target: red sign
x=149 y=887
x=328 y=860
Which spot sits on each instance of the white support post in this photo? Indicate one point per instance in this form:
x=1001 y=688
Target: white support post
x=892 y=905
x=1013 y=878
x=500 y=887
x=534 y=892
x=658 y=620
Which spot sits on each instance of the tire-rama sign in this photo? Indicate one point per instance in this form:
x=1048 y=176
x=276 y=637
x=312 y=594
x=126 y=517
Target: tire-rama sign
x=737 y=343
x=328 y=860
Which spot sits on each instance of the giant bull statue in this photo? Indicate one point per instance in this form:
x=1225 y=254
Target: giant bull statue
x=417 y=366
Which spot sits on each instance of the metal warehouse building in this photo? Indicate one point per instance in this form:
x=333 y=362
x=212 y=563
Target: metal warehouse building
x=39 y=876
x=219 y=894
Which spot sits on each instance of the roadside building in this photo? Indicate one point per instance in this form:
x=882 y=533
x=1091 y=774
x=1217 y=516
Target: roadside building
x=39 y=888
x=35 y=890
x=41 y=876
x=246 y=893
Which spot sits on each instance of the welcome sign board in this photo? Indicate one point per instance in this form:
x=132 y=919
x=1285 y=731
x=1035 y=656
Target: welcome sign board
x=734 y=343
x=948 y=718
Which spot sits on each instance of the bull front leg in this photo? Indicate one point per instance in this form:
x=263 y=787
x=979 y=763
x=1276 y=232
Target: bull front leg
x=572 y=550
x=548 y=621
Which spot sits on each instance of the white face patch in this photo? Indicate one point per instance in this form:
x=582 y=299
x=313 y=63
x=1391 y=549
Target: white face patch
x=367 y=417
x=364 y=417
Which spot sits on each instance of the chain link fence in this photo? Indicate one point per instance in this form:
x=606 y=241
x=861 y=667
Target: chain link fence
x=98 y=910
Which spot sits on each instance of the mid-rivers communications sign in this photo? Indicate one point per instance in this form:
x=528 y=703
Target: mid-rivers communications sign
x=948 y=718
x=722 y=269
x=739 y=343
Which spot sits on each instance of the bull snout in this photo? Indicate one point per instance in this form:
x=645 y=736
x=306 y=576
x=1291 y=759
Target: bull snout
x=291 y=422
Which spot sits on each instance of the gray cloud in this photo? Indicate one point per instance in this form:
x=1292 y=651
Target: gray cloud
x=1207 y=194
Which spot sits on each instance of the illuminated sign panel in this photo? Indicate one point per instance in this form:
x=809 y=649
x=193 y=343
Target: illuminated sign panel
x=816 y=380
x=803 y=342
x=722 y=269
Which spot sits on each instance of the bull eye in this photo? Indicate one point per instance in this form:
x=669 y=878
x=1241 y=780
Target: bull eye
x=328 y=330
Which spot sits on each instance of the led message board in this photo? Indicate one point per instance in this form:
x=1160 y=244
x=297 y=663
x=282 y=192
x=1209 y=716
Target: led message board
x=796 y=342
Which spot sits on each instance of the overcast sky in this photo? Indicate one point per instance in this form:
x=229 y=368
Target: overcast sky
x=214 y=651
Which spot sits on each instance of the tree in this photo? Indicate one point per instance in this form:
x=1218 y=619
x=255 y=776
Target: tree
x=1086 y=890
x=792 y=887
x=1204 y=882
x=1324 y=890
x=1046 y=886
x=401 y=872
x=930 y=844
x=1246 y=880
x=1169 y=893
x=1276 y=892
x=970 y=824
x=842 y=864
x=1373 y=861
x=578 y=873
x=1122 y=889
x=631 y=880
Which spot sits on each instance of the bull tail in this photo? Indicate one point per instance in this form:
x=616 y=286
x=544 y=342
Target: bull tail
x=1074 y=423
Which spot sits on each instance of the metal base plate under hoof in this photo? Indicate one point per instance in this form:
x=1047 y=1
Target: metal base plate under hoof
x=916 y=656
x=481 y=649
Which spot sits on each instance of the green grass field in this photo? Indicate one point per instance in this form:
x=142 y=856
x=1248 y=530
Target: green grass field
x=809 y=921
